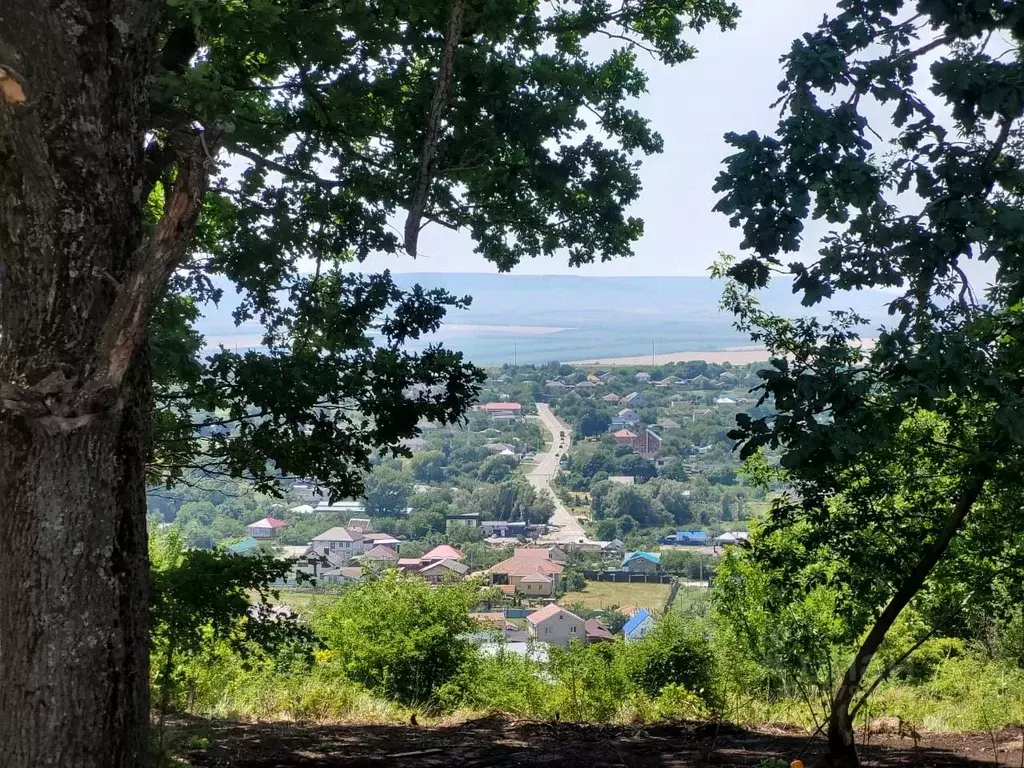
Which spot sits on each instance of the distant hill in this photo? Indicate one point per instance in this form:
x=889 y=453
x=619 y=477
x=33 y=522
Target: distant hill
x=540 y=318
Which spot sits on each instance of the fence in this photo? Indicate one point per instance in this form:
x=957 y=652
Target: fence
x=625 y=577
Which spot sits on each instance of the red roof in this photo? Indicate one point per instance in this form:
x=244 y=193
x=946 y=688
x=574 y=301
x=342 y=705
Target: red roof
x=501 y=407
x=443 y=552
x=269 y=522
x=547 y=612
x=411 y=562
x=624 y=433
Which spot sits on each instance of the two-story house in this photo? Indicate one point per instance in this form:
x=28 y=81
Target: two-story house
x=555 y=625
x=341 y=543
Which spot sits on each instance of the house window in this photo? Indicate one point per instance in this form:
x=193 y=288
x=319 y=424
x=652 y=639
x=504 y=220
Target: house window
x=547 y=630
x=573 y=630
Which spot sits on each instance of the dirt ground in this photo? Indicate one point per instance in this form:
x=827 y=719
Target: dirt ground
x=499 y=742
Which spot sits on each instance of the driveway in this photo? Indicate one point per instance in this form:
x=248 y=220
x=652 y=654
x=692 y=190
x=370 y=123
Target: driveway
x=540 y=477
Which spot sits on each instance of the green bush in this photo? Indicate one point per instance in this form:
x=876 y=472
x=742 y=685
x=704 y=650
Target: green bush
x=399 y=637
x=675 y=653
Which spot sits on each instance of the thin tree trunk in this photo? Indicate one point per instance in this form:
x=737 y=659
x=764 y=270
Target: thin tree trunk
x=841 y=739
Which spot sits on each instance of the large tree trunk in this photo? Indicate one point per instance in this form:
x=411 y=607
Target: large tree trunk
x=74 y=387
x=842 y=745
x=73 y=650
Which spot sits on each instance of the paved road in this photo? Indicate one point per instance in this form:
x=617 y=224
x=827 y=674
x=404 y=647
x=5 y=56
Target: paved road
x=569 y=528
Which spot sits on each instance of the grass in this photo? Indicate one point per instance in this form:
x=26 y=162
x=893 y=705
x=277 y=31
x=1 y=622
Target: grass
x=692 y=601
x=604 y=594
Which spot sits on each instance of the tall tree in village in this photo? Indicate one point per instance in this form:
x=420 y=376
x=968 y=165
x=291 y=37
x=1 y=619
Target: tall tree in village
x=154 y=154
x=901 y=136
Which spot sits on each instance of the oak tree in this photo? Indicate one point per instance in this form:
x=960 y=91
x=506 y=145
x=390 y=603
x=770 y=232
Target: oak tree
x=155 y=154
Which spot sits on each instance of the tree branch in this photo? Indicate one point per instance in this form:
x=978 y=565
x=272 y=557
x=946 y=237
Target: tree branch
x=432 y=136
x=159 y=255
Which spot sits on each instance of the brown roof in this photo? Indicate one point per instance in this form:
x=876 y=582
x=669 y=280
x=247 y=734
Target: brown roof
x=380 y=552
x=597 y=631
x=624 y=433
x=536 y=578
x=501 y=407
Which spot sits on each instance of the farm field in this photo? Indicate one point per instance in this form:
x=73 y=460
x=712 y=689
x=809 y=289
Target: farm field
x=604 y=594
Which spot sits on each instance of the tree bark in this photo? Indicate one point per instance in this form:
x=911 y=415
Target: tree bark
x=842 y=745
x=74 y=438
x=73 y=650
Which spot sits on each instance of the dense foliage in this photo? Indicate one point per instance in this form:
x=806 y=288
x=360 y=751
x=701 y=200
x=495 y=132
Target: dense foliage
x=904 y=456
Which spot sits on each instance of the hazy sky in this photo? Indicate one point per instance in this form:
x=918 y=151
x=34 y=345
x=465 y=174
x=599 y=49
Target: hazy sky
x=728 y=87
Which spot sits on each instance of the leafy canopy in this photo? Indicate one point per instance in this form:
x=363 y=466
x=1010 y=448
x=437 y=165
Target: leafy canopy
x=326 y=120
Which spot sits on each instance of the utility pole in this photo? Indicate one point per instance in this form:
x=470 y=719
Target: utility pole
x=654 y=356
x=515 y=354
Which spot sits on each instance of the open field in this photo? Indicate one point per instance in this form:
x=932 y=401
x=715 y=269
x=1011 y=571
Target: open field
x=604 y=594
x=498 y=742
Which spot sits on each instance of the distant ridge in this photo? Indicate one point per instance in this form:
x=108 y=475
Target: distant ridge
x=541 y=318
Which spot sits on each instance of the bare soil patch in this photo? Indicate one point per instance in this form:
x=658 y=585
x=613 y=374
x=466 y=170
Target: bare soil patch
x=498 y=742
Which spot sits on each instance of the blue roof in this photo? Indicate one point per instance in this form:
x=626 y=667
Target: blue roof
x=638 y=618
x=648 y=556
x=245 y=545
x=699 y=535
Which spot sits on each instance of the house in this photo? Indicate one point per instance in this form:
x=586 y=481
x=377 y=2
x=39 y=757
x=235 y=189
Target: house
x=502 y=411
x=644 y=443
x=359 y=524
x=243 y=546
x=554 y=554
x=624 y=437
x=586 y=385
x=555 y=384
x=443 y=552
x=606 y=377
x=342 y=575
x=593 y=379
x=638 y=626
x=641 y=562
x=729 y=538
x=374 y=538
x=667 y=423
x=668 y=381
x=724 y=401
x=691 y=538
x=627 y=417
x=524 y=563
x=502 y=528
x=633 y=399
x=443 y=570
x=611 y=398
x=340 y=542
x=380 y=555
x=472 y=519
x=501 y=449
x=597 y=632
x=266 y=528
x=555 y=625
x=537 y=585
x=613 y=547
x=642 y=377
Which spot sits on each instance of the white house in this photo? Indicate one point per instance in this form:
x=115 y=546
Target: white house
x=724 y=401
x=638 y=626
x=266 y=528
x=556 y=626
x=339 y=542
